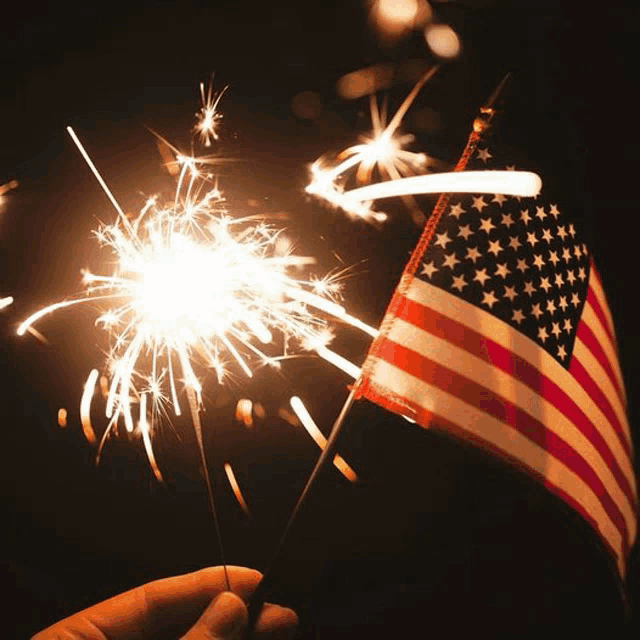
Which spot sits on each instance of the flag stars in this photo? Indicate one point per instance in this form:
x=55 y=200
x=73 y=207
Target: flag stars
x=507 y=220
x=536 y=311
x=465 y=232
x=525 y=217
x=553 y=257
x=575 y=300
x=514 y=242
x=486 y=225
x=555 y=329
x=554 y=211
x=560 y=231
x=499 y=198
x=581 y=274
x=529 y=288
x=531 y=238
x=542 y=334
x=572 y=230
x=494 y=247
x=545 y=284
x=484 y=155
x=566 y=254
x=551 y=306
x=442 y=239
x=538 y=261
x=522 y=265
x=473 y=254
x=489 y=299
x=502 y=270
x=559 y=280
x=459 y=283
x=428 y=269
x=567 y=325
x=456 y=210
x=577 y=252
x=518 y=316
x=546 y=235
x=540 y=213
x=562 y=353
x=563 y=304
x=481 y=276
x=450 y=261
x=478 y=203
x=571 y=277
x=509 y=292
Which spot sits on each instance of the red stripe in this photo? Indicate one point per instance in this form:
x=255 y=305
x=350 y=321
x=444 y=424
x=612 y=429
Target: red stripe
x=597 y=309
x=586 y=335
x=428 y=419
x=502 y=409
x=512 y=364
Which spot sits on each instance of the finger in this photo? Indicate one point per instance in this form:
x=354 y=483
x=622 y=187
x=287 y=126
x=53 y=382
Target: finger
x=167 y=606
x=276 y=623
x=225 y=618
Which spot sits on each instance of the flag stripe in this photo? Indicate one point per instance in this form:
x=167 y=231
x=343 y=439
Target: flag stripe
x=588 y=442
x=418 y=394
x=484 y=324
x=597 y=308
x=602 y=384
x=501 y=408
x=595 y=285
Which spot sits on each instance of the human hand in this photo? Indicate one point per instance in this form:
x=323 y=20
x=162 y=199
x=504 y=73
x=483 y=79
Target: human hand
x=193 y=606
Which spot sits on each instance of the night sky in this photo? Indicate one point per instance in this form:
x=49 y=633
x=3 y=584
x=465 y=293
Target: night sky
x=437 y=534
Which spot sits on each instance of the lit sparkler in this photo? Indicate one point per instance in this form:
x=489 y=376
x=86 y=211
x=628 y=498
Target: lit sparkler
x=208 y=117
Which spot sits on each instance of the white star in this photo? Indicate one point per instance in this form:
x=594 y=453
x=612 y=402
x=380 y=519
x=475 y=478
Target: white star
x=581 y=274
x=529 y=288
x=553 y=257
x=567 y=325
x=553 y=210
x=522 y=265
x=544 y=284
x=510 y=292
x=555 y=329
x=525 y=217
x=494 y=247
x=538 y=261
x=559 y=280
x=542 y=334
x=428 y=269
x=502 y=270
x=563 y=304
x=456 y=210
x=577 y=251
x=478 y=203
x=551 y=306
x=570 y=277
x=450 y=261
x=518 y=316
x=473 y=254
x=562 y=354
x=442 y=239
x=481 y=276
x=566 y=254
x=572 y=231
x=499 y=198
x=546 y=235
x=575 y=299
x=458 y=283
x=540 y=213
x=561 y=232
x=486 y=225
x=536 y=311
x=514 y=242
x=531 y=238
x=484 y=154
x=489 y=299
x=465 y=231
x=507 y=220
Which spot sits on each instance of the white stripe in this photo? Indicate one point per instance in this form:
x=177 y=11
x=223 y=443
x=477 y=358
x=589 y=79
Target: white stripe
x=502 y=436
x=505 y=386
x=592 y=321
x=602 y=380
x=596 y=286
x=500 y=332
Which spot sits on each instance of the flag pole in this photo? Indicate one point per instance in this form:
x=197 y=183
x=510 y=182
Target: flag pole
x=256 y=603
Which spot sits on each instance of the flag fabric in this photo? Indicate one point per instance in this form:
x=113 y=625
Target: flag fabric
x=500 y=333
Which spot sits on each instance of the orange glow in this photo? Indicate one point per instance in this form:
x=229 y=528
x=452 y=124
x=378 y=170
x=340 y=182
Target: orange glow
x=62 y=417
x=365 y=81
x=442 y=40
x=395 y=17
x=236 y=488
x=244 y=410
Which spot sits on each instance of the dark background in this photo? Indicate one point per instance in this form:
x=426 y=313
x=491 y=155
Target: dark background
x=436 y=534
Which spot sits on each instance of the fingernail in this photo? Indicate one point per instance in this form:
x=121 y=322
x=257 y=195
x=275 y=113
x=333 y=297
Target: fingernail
x=225 y=615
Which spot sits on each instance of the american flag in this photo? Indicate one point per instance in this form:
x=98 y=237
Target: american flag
x=500 y=333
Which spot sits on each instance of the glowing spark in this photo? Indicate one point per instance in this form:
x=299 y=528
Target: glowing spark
x=5 y=302
x=85 y=406
x=236 y=487
x=305 y=417
x=244 y=410
x=208 y=117
x=62 y=417
x=384 y=149
x=511 y=183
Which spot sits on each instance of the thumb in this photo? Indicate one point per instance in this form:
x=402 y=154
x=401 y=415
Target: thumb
x=225 y=618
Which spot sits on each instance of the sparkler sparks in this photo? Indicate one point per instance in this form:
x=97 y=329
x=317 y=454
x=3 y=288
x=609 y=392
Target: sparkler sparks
x=208 y=117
